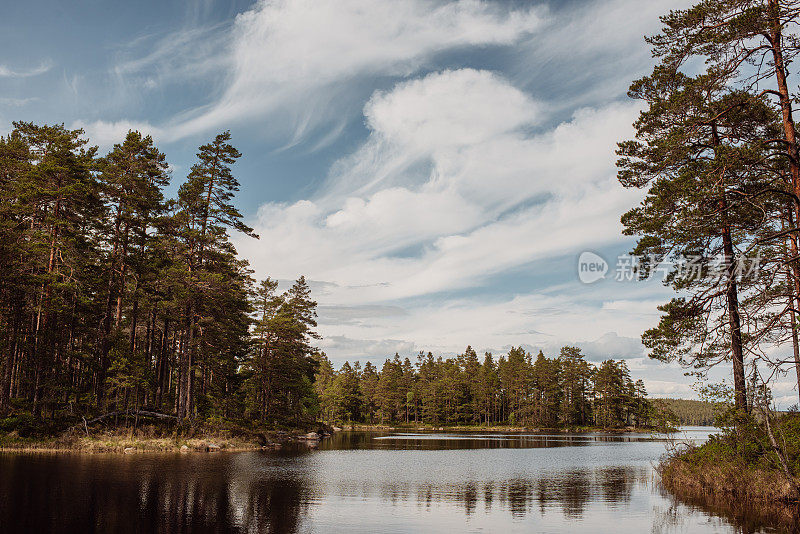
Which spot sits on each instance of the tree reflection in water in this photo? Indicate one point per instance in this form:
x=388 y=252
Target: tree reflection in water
x=148 y=493
x=569 y=492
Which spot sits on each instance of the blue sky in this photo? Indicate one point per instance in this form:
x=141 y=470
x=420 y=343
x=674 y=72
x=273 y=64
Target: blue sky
x=433 y=167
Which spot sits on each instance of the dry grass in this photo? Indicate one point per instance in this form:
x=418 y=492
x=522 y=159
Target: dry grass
x=746 y=484
x=752 y=494
x=125 y=442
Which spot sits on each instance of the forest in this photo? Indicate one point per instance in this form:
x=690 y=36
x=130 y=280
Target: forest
x=517 y=389
x=115 y=299
x=687 y=411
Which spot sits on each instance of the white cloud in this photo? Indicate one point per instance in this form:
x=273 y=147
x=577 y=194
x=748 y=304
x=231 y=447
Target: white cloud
x=669 y=389
x=424 y=207
x=612 y=346
x=417 y=209
x=107 y=133
x=438 y=118
x=439 y=111
x=8 y=72
x=374 y=350
x=16 y=102
x=302 y=60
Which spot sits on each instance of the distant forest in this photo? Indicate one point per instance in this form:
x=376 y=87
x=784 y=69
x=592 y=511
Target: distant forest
x=688 y=412
x=516 y=389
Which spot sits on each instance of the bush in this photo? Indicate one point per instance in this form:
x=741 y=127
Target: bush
x=22 y=423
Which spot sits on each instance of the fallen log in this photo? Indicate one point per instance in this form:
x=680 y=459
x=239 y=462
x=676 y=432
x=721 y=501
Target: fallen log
x=139 y=413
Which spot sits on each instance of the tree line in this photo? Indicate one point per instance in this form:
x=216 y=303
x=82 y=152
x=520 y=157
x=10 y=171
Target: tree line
x=717 y=155
x=517 y=389
x=688 y=412
x=115 y=298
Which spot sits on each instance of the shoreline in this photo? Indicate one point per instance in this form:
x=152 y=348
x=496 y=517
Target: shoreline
x=756 y=495
x=502 y=428
x=117 y=444
x=125 y=443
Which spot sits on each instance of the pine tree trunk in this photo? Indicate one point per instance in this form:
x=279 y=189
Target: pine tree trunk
x=161 y=366
x=8 y=365
x=790 y=133
x=734 y=322
x=134 y=320
x=794 y=299
x=731 y=294
x=122 y=273
x=105 y=344
x=185 y=384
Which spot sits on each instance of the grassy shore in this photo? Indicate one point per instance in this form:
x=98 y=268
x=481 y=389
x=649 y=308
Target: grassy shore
x=126 y=441
x=211 y=440
x=498 y=428
x=739 y=473
x=122 y=433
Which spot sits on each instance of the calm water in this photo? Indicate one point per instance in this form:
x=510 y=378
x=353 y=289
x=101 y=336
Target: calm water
x=359 y=482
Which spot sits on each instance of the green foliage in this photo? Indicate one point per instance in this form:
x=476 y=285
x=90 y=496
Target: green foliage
x=23 y=423
x=747 y=445
x=687 y=412
x=282 y=361
x=114 y=299
x=547 y=393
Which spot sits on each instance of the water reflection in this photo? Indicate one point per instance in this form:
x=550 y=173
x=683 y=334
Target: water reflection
x=358 y=482
x=571 y=492
x=164 y=493
x=449 y=441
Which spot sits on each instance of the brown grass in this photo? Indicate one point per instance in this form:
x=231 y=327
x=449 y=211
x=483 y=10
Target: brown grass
x=754 y=496
x=116 y=442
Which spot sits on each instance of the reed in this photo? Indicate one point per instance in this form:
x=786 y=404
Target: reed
x=737 y=474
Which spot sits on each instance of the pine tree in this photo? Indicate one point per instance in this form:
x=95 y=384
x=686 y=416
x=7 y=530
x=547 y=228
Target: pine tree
x=204 y=215
x=697 y=153
x=133 y=175
x=575 y=376
x=746 y=47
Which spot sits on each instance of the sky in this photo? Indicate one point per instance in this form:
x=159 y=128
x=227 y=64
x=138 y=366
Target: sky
x=435 y=168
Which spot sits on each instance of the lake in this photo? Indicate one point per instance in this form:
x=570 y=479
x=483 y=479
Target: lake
x=361 y=482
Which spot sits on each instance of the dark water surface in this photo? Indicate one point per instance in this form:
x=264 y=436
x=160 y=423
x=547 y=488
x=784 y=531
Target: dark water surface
x=360 y=482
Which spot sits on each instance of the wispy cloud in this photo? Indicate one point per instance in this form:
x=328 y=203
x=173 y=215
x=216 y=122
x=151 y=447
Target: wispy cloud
x=8 y=72
x=182 y=56
x=449 y=172
x=307 y=54
x=16 y=102
x=302 y=62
